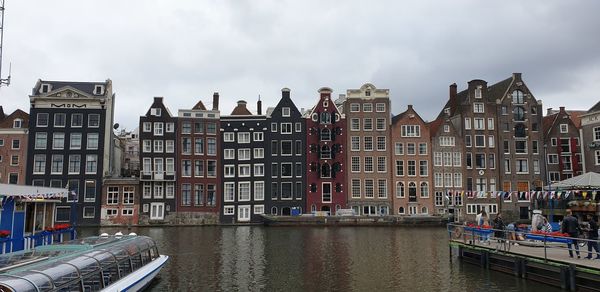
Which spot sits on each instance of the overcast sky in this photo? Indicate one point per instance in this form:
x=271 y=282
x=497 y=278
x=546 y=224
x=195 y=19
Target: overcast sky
x=186 y=50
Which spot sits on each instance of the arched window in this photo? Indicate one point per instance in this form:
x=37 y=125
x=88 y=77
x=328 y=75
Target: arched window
x=325 y=170
x=313 y=208
x=325 y=134
x=325 y=118
x=424 y=190
x=274 y=211
x=399 y=189
x=401 y=210
x=325 y=152
x=424 y=210
x=520 y=131
x=517 y=97
x=519 y=114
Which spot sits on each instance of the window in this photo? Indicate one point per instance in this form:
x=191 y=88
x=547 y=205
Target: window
x=522 y=166
x=355 y=143
x=228 y=137
x=298 y=170
x=211 y=128
x=91 y=164
x=57 y=164
x=447 y=159
x=536 y=166
x=259 y=190
x=244 y=191
x=458 y=179
x=354 y=124
x=380 y=107
x=147 y=127
x=158 y=129
x=506 y=165
x=76 y=120
x=491 y=160
x=60 y=120
x=211 y=168
x=244 y=137
x=517 y=97
x=411 y=131
x=490 y=123
x=229 y=210
x=42 y=120
x=380 y=124
x=244 y=170
x=399 y=168
x=520 y=147
x=448 y=179
x=229 y=171
x=479 y=141
x=259 y=170
x=325 y=118
x=354 y=107
x=447 y=141
x=285 y=111
x=298 y=127
x=274 y=127
x=438 y=180
x=286 y=191
x=423 y=171
x=412 y=168
x=479 y=160
x=478 y=108
x=169 y=146
x=186 y=167
x=422 y=148
x=410 y=148
x=198 y=146
x=368 y=124
x=286 y=148
x=535 y=147
x=368 y=143
x=355 y=189
x=424 y=190
x=92 y=141
x=399 y=148
x=468 y=160
x=381 y=142
x=90 y=191
x=89 y=212
x=186 y=194
x=564 y=128
x=382 y=192
x=597 y=157
x=368 y=164
x=212 y=146
x=75 y=142
x=170 y=166
x=399 y=189
x=58 y=141
x=382 y=164
x=112 y=196
x=355 y=164
x=369 y=188
x=158 y=191
x=456 y=159
x=479 y=124
x=229 y=192
x=170 y=127
x=325 y=134
x=258 y=153
x=468 y=142
x=437 y=159
x=491 y=142
x=367 y=107
x=93 y=120
x=596 y=134
x=467 y=123
x=41 y=140
x=74 y=164
x=286 y=128
x=128 y=195
x=186 y=145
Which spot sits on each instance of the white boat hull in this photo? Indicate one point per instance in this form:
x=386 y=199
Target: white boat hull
x=140 y=278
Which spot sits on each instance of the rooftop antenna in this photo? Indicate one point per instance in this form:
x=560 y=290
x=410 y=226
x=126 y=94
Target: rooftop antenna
x=3 y=81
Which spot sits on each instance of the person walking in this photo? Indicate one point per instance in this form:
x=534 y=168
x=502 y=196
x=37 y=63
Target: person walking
x=570 y=225
x=593 y=237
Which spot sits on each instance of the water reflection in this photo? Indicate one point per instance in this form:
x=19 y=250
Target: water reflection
x=248 y=258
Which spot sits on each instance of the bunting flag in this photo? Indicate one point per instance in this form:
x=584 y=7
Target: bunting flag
x=584 y=194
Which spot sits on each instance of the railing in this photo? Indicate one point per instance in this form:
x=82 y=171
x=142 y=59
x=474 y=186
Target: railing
x=42 y=238
x=157 y=175
x=555 y=247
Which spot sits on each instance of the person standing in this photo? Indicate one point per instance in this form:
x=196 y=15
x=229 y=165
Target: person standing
x=593 y=237
x=570 y=225
x=499 y=227
x=537 y=221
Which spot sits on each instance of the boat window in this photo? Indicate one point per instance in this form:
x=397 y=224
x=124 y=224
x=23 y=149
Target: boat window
x=38 y=279
x=146 y=256
x=92 y=282
x=153 y=253
x=85 y=265
x=60 y=273
x=15 y=284
x=124 y=267
x=136 y=261
x=110 y=274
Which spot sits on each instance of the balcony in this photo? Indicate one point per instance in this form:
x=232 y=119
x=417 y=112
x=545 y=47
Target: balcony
x=157 y=175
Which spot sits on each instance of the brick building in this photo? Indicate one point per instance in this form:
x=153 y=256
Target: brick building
x=590 y=137
x=562 y=145
x=13 y=146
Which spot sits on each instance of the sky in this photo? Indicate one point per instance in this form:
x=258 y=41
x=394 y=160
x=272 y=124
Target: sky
x=186 y=50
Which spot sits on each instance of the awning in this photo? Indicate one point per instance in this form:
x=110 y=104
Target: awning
x=32 y=192
x=588 y=180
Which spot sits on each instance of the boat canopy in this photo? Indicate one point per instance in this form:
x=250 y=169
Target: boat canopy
x=87 y=264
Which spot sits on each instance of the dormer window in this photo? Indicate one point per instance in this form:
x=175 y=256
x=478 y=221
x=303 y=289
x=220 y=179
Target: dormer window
x=155 y=112
x=45 y=88
x=99 y=90
x=368 y=93
x=285 y=111
x=17 y=123
x=478 y=92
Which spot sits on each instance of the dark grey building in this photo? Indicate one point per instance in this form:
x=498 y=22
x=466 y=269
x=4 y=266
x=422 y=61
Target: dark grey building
x=158 y=153
x=70 y=134
x=246 y=169
x=286 y=155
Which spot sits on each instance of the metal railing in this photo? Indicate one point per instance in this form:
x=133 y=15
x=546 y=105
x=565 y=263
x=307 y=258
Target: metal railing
x=31 y=241
x=555 y=247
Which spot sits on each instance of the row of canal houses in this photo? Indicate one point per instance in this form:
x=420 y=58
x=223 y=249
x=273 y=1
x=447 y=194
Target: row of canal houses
x=197 y=166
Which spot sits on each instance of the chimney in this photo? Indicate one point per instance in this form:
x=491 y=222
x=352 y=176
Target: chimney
x=453 y=91
x=215 y=101
x=410 y=106
x=259 y=106
x=549 y=111
x=325 y=92
x=158 y=99
x=562 y=109
x=517 y=76
x=285 y=92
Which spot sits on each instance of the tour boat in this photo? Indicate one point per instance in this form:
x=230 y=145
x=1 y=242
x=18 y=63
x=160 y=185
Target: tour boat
x=99 y=263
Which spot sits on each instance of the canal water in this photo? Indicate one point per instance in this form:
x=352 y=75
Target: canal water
x=256 y=258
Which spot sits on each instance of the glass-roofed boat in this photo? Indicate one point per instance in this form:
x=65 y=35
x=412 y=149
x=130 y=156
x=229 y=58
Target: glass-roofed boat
x=99 y=263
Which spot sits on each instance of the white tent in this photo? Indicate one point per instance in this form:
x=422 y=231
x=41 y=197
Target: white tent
x=588 y=180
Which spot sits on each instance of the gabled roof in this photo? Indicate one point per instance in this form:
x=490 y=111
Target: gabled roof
x=549 y=121
x=594 y=108
x=499 y=90
x=7 y=121
x=434 y=125
x=86 y=87
x=199 y=106
x=241 y=109
x=405 y=113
